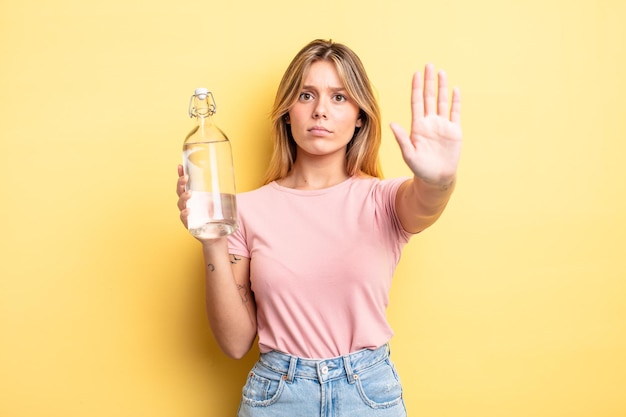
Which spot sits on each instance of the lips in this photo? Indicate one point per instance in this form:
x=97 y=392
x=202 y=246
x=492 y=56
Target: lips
x=319 y=130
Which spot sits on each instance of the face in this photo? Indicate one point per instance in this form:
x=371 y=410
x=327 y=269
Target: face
x=324 y=118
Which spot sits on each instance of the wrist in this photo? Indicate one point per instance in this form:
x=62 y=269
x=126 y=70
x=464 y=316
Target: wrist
x=444 y=184
x=212 y=245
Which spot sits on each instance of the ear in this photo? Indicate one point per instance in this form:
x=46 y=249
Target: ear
x=359 y=120
x=286 y=118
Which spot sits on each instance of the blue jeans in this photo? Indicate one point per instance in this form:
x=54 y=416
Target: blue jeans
x=361 y=384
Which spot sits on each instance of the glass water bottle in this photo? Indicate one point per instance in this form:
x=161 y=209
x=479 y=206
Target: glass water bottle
x=208 y=162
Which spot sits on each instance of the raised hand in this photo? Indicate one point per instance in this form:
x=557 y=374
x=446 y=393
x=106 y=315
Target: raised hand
x=433 y=147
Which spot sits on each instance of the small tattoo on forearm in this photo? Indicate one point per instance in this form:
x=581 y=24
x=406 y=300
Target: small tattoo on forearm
x=243 y=291
x=446 y=187
x=211 y=267
x=234 y=259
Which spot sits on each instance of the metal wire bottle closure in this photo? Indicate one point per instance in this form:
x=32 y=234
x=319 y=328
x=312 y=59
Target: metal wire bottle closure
x=193 y=111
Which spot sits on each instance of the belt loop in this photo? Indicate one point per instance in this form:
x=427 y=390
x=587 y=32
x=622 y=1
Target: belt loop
x=348 y=367
x=291 y=372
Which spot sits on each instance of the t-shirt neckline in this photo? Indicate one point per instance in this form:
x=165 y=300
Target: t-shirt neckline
x=320 y=191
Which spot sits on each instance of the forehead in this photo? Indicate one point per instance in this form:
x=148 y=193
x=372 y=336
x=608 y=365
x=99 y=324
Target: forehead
x=322 y=73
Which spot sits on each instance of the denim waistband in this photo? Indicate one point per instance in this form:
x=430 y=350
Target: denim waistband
x=323 y=370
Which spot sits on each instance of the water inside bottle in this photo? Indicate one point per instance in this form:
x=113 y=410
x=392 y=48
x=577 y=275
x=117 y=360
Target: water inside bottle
x=211 y=216
x=212 y=206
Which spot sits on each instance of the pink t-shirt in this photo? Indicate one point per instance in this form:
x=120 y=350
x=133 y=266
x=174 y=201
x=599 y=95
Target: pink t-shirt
x=321 y=264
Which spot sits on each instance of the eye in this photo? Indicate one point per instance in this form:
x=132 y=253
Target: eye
x=305 y=96
x=340 y=98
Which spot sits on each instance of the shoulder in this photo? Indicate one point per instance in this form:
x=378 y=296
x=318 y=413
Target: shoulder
x=260 y=200
x=378 y=185
x=261 y=192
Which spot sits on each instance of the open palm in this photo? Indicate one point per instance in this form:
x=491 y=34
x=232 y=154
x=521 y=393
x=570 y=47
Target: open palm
x=433 y=147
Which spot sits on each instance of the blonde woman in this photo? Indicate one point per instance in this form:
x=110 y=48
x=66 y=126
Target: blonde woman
x=310 y=268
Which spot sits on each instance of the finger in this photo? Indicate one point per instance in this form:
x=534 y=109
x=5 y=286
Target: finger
x=455 y=110
x=430 y=97
x=417 y=97
x=183 y=216
x=181 y=174
x=181 y=185
x=442 y=94
x=182 y=201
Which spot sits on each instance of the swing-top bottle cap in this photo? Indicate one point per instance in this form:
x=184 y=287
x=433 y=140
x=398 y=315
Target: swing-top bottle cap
x=201 y=92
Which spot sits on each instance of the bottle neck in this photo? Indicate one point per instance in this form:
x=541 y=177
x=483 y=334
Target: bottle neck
x=203 y=113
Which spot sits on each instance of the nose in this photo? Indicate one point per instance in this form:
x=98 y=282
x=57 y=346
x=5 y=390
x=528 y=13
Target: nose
x=320 y=110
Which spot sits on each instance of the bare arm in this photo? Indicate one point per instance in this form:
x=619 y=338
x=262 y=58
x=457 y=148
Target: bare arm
x=431 y=150
x=420 y=204
x=230 y=305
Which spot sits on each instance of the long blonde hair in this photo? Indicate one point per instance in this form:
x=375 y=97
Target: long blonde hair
x=362 y=151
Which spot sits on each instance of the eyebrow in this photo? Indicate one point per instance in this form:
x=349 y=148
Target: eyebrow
x=335 y=89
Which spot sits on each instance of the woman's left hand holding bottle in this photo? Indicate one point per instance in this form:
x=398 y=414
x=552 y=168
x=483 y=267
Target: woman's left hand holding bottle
x=183 y=195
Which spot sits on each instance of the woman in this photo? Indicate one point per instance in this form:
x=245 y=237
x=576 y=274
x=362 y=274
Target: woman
x=310 y=268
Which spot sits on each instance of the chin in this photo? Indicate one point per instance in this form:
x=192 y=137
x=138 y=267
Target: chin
x=322 y=150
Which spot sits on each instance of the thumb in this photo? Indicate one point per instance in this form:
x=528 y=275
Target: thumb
x=402 y=137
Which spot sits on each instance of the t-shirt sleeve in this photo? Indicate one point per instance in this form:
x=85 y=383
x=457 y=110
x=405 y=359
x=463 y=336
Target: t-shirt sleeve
x=386 y=197
x=237 y=242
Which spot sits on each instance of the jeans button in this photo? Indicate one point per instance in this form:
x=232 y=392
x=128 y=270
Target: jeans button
x=324 y=370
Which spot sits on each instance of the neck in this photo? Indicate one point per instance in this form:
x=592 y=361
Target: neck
x=314 y=176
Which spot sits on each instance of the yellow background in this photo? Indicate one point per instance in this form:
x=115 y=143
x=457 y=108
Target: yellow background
x=514 y=304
